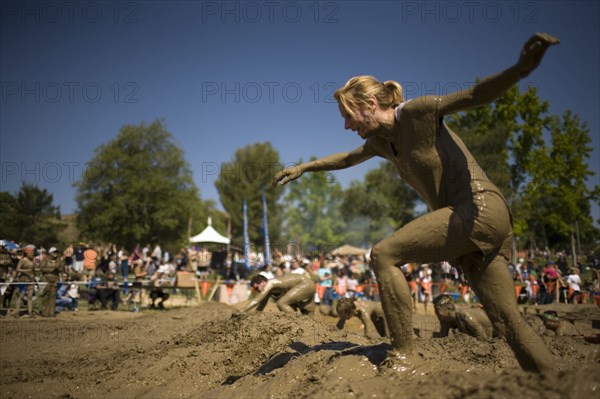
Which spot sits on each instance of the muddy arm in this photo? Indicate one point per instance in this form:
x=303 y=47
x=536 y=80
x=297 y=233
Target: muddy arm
x=260 y=300
x=341 y=160
x=370 y=330
x=444 y=329
x=472 y=326
x=494 y=86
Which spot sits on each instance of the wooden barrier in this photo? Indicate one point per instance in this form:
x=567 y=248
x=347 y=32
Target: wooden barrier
x=185 y=280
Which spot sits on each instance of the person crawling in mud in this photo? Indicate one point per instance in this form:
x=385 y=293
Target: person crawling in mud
x=555 y=326
x=292 y=292
x=472 y=321
x=370 y=314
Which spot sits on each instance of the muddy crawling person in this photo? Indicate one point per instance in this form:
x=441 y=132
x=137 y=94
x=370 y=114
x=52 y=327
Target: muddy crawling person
x=370 y=314
x=292 y=292
x=550 y=324
x=472 y=321
x=470 y=221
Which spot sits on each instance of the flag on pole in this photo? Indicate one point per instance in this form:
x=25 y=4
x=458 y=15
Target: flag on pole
x=246 y=239
x=266 y=229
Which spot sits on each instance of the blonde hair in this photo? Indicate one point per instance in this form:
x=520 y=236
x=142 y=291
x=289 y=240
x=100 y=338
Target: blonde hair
x=357 y=92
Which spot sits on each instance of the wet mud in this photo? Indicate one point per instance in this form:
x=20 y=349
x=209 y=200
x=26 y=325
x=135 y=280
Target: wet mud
x=214 y=351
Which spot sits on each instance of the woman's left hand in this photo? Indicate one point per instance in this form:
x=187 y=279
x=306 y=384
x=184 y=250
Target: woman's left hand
x=533 y=52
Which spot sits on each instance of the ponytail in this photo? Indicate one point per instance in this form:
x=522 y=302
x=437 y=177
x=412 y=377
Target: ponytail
x=356 y=93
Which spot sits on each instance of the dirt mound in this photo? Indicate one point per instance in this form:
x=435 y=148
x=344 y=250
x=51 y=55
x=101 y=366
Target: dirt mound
x=213 y=351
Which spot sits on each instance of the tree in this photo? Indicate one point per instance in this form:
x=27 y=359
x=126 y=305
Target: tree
x=138 y=188
x=567 y=173
x=507 y=139
x=382 y=203
x=313 y=220
x=487 y=131
x=30 y=217
x=251 y=169
x=9 y=223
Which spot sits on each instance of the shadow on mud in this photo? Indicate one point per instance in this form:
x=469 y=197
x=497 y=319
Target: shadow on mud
x=374 y=353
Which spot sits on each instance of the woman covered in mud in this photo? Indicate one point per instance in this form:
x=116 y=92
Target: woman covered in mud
x=469 y=223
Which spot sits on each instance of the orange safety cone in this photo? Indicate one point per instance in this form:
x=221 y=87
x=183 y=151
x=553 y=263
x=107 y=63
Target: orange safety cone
x=443 y=287
x=518 y=289
x=585 y=297
x=413 y=286
x=205 y=286
x=464 y=290
x=320 y=291
x=341 y=290
x=426 y=286
x=534 y=291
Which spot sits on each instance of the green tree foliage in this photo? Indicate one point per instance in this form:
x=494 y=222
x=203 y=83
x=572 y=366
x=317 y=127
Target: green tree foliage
x=507 y=138
x=382 y=203
x=30 y=217
x=251 y=169
x=565 y=188
x=139 y=189
x=9 y=224
x=313 y=220
x=486 y=131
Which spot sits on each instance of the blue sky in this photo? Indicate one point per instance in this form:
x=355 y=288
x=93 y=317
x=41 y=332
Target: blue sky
x=227 y=74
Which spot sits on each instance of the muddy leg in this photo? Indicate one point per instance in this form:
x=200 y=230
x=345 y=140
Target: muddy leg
x=30 y=300
x=20 y=297
x=495 y=289
x=301 y=293
x=435 y=236
x=395 y=297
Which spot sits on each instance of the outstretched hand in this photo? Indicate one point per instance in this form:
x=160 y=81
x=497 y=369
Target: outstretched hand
x=287 y=175
x=533 y=51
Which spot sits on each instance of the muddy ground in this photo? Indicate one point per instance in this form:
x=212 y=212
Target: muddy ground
x=211 y=351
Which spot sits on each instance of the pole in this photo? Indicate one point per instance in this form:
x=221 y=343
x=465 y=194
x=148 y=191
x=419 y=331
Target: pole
x=212 y=293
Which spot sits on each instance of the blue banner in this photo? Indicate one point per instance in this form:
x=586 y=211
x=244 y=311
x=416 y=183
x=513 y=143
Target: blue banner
x=246 y=238
x=266 y=230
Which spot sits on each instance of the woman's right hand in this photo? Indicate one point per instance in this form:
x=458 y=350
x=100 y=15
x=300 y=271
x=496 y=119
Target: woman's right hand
x=287 y=175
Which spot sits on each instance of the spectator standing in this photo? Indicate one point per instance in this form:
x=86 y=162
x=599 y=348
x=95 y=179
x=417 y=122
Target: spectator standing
x=90 y=258
x=326 y=281
x=157 y=253
x=296 y=267
x=26 y=269
x=68 y=258
x=5 y=262
x=574 y=283
x=79 y=257
x=50 y=267
x=351 y=286
x=108 y=289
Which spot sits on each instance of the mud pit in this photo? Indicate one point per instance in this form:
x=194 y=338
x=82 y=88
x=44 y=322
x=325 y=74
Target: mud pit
x=211 y=351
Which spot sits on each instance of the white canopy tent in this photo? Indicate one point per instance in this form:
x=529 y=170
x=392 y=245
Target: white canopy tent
x=209 y=235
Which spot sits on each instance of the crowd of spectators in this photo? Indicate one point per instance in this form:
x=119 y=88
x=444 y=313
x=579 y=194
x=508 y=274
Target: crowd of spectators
x=547 y=279
x=108 y=275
